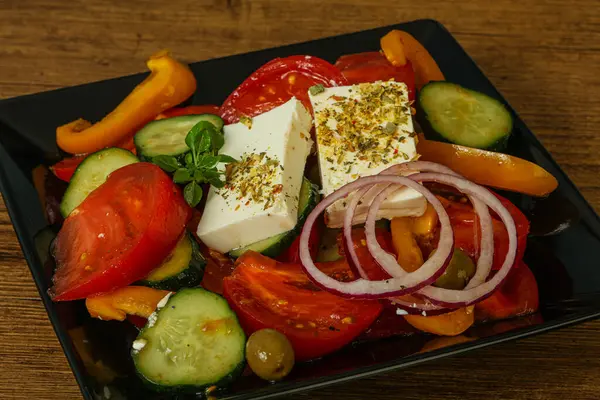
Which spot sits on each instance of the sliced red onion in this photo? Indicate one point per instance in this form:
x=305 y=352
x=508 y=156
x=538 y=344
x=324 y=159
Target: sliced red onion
x=484 y=261
x=416 y=282
x=362 y=288
x=418 y=306
x=353 y=260
x=471 y=295
x=398 y=169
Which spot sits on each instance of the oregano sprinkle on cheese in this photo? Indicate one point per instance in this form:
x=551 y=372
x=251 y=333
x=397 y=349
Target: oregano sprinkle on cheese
x=316 y=89
x=253 y=178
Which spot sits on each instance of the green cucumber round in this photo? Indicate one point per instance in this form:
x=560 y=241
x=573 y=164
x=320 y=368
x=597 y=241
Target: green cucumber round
x=191 y=342
x=91 y=173
x=166 y=137
x=451 y=113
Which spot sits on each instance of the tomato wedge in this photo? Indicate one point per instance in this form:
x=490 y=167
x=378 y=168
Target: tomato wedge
x=121 y=232
x=65 y=169
x=268 y=294
x=518 y=296
x=292 y=253
x=276 y=82
x=373 y=66
x=368 y=263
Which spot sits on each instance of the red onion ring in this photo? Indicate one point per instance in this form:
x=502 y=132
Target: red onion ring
x=439 y=296
x=468 y=296
x=416 y=282
x=362 y=288
x=486 y=248
x=484 y=261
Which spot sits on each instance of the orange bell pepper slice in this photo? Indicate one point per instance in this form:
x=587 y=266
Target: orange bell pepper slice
x=169 y=83
x=405 y=230
x=410 y=256
x=399 y=46
x=490 y=168
x=133 y=300
x=450 y=324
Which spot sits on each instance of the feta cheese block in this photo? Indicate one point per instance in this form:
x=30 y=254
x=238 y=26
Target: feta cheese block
x=260 y=197
x=361 y=130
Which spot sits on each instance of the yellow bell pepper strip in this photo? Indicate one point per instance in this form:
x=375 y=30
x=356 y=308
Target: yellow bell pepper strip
x=133 y=300
x=426 y=223
x=393 y=49
x=409 y=253
x=399 y=46
x=169 y=83
x=489 y=168
x=405 y=231
x=449 y=324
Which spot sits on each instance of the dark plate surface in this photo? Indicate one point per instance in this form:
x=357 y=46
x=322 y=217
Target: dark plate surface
x=563 y=250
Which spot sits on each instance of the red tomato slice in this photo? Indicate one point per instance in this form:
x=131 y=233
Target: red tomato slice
x=267 y=294
x=65 y=169
x=121 y=232
x=368 y=263
x=465 y=226
x=292 y=253
x=190 y=110
x=276 y=82
x=518 y=296
x=373 y=66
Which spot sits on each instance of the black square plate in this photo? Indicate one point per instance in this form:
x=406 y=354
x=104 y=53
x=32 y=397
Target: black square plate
x=563 y=250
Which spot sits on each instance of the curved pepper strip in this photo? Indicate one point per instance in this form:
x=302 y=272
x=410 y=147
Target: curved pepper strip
x=399 y=46
x=449 y=324
x=132 y=300
x=169 y=83
x=489 y=168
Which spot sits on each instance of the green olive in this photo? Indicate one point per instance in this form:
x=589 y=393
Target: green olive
x=460 y=270
x=270 y=354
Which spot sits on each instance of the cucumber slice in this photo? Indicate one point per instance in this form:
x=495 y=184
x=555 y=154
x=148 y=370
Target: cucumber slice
x=166 y=137
x=462 y=116
x=91 y=173
x=275 y=245
x=183 y=268
x=192 y=342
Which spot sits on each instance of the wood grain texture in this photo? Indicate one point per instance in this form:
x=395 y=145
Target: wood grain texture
x=544 y=56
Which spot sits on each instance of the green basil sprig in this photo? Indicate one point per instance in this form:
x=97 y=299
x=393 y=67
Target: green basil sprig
x=199 y=164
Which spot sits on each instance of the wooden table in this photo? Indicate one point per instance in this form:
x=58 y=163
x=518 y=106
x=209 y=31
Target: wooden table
x=544 y=56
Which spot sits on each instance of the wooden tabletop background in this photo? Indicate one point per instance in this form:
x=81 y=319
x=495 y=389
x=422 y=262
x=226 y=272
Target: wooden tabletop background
x=544 y=56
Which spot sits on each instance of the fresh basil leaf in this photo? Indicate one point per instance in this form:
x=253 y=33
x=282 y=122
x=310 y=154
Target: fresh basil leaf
x=192 y=193
x=182 y=175
x=216 y=182
x=214 y=178
x=167 y=163
x=189 y=159
x=203 y=143
x=194 y=137
x=218 y=140
x=224 y=158
x=199 y=176
x=191 y=139
x=207 y=161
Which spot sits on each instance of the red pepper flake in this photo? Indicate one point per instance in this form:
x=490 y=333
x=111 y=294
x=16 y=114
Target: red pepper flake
x=248 y=202
x=237 y=207
x=277 y=188
x=353 y=122
x=337 y=98
x=396 y=151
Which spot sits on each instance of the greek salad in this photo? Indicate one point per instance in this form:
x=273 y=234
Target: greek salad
x=319 y=205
